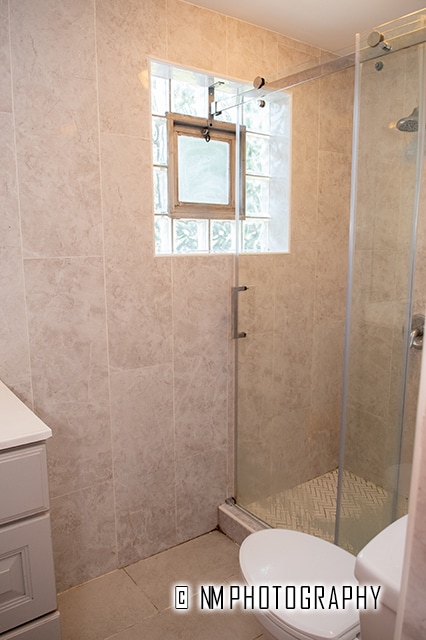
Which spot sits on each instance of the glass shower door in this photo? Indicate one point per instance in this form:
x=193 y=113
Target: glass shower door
x=289 y=365
x=381 y=374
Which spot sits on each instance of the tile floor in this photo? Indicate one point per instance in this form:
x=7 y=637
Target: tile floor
x=135 y=603
x=311 y=507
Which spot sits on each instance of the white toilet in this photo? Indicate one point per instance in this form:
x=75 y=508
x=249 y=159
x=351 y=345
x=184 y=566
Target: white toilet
x=284 y=557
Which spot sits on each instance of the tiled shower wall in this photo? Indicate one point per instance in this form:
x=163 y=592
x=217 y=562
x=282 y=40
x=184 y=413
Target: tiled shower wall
x=127 y=357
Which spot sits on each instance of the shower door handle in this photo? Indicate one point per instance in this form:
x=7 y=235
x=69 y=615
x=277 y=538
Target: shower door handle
x=235 y=333
x=416 y=333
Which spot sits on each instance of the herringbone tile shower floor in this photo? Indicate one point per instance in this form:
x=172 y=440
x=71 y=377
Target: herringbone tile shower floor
x=311 y=507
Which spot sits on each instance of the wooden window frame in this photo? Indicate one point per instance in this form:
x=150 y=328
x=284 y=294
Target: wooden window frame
x=178 y=124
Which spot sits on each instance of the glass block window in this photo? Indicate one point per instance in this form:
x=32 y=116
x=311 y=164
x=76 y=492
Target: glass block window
x=194 y=180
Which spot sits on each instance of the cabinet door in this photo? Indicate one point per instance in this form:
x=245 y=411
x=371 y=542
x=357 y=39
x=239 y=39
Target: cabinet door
x=23 y=481
x=27 y=581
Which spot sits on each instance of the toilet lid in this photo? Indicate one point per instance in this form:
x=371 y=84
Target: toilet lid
x=291 y=558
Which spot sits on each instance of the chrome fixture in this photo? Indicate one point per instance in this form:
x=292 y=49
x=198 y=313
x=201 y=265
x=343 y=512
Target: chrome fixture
x=235 y=291
x=378 y=39
x=259 y=82
x=213 y=110
x=417 y=329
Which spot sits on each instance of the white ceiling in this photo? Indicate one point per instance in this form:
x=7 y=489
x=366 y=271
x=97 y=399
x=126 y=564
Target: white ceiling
x=329 y=24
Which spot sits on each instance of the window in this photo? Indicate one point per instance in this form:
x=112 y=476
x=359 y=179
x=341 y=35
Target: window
x=201 y=167
x=195 y=215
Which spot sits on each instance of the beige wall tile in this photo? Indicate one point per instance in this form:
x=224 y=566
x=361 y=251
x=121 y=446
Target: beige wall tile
x=55 y=40
x=14 y=366
x=293 y=353
x=79 y=453
x=58 y=221
x=138 y=286
x=14 y=346
x=127 y=200
x=254 y=483
x=144 y=533
x=304 y=162
x=336 y=112
x=293 y=54
x=143 y=456
x=206 y=48
x=67 y=293
x=201 y=486
x=201 y=409
x=289 y=442
x=202 y=322
x=255 y=385
x=83 y=533
x=252 y=51
x=256 y=305
x=139 y=315
x=330 y=283
x=201 y=339
x=69 y=367
x=327 y=363
x=294 y=283
x=334 y=200
x=5 y=76
x=56 y=127
x=126 y=35
x=364 y=457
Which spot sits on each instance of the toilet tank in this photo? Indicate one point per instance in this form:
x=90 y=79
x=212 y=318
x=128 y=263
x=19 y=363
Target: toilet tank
x=380 y=562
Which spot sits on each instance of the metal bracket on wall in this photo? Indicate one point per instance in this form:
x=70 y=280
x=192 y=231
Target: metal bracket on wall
x=417 y=329
x=235 y=333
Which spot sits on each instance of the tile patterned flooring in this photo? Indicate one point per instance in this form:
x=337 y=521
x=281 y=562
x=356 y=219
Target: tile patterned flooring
x=311 y=507
x=135 y=603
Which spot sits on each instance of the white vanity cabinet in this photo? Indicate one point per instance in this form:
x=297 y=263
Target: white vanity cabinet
x=27 y=579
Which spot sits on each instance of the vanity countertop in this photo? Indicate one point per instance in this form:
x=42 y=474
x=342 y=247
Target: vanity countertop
x=18 y=424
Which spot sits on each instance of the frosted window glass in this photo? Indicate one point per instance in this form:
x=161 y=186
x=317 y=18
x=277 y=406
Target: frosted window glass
x=203 y=170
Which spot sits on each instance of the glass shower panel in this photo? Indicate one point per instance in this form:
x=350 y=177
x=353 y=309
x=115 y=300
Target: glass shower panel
x=289 y=365
x=380 y=300
x=257 y=316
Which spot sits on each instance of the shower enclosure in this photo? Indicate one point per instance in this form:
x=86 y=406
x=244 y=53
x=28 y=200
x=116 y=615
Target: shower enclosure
x=327 y=370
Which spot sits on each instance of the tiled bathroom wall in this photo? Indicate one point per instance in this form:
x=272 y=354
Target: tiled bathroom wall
x=127 y=357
